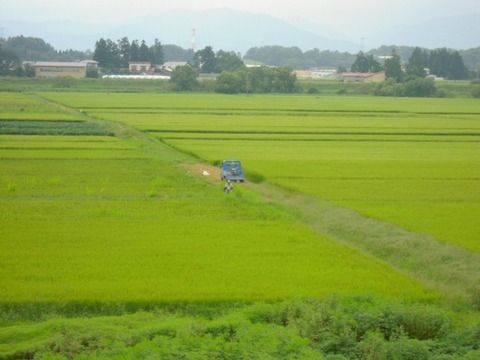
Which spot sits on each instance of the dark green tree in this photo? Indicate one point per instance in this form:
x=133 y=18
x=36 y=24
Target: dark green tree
x=457 y=69
x=156 y=53
x=32 y=49
x=144 y=52
x=8 y=62
x=113 y=54
x=230 y=82
x=260 y=80
x=449 y=64
x=124 y=51
x=361 y=63
x=101 y=53
x=366 y=63
x=419 y=88
x=417 y=63
x=107 y=54
x=228 y=61
x=205 y=60
x=284 y=80
x=438 y=62
x=134 y=51
x=257 y=80
x=184 y=78
x=374 y=65
x=294 y=57
x=393 y=68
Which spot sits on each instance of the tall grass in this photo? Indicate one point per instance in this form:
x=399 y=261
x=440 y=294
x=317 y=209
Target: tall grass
x=346 y=328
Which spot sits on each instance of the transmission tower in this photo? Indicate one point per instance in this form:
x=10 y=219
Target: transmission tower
x=194 y=40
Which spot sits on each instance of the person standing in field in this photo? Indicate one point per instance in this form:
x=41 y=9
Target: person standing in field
x=228 y=187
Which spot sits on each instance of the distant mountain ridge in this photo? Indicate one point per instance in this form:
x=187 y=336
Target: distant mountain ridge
x=227 y=29
x=456 y=32
x=221 y=28
x=239 y=31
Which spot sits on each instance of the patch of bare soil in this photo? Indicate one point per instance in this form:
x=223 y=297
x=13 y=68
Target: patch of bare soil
x=208 y=172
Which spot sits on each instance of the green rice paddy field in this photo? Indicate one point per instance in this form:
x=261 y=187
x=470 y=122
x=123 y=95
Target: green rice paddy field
x=97 y=208
x=99 y=218
x=412 y=162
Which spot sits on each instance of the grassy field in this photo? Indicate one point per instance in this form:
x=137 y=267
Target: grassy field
x=78 y=214
x=425 y=186
x=273 y=103
x=412 y=162
x=98 y=216
x=108 y=228
x=26 y=107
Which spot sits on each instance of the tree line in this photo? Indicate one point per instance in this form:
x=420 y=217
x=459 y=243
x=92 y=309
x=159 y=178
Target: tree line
x=234 y=76
x=28 y=48
x=16 y=49
x=441 y=62
x=10 y=64
x=437 y=59
x=295 y=58
x=209 y=62
x=113 y=55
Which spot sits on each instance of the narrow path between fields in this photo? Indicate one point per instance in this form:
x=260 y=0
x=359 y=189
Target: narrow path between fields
x=450 y=269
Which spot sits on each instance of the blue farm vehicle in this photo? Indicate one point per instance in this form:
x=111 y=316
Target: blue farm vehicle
x=232 y=170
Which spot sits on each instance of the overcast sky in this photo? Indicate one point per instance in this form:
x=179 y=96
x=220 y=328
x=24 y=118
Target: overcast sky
x=341 y=15
x=350 y=19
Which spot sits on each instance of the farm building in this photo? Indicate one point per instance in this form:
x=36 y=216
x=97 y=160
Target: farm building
x=324 y=73
x=303 y=74
x=54 y=69
x=316 y=74
x=141 y=67
x=363 y=77
x=169 y=66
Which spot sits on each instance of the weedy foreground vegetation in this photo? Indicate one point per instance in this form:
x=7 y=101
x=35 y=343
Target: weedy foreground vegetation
x=109 y=248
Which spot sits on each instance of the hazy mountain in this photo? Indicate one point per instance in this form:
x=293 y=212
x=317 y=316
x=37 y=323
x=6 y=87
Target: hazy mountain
x=61 y=34
x=227 y=29
x=456 y=32
x=239 y=31
x=220 y=28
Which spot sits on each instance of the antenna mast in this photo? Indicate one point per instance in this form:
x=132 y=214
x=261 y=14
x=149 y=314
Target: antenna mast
x=194 y=40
